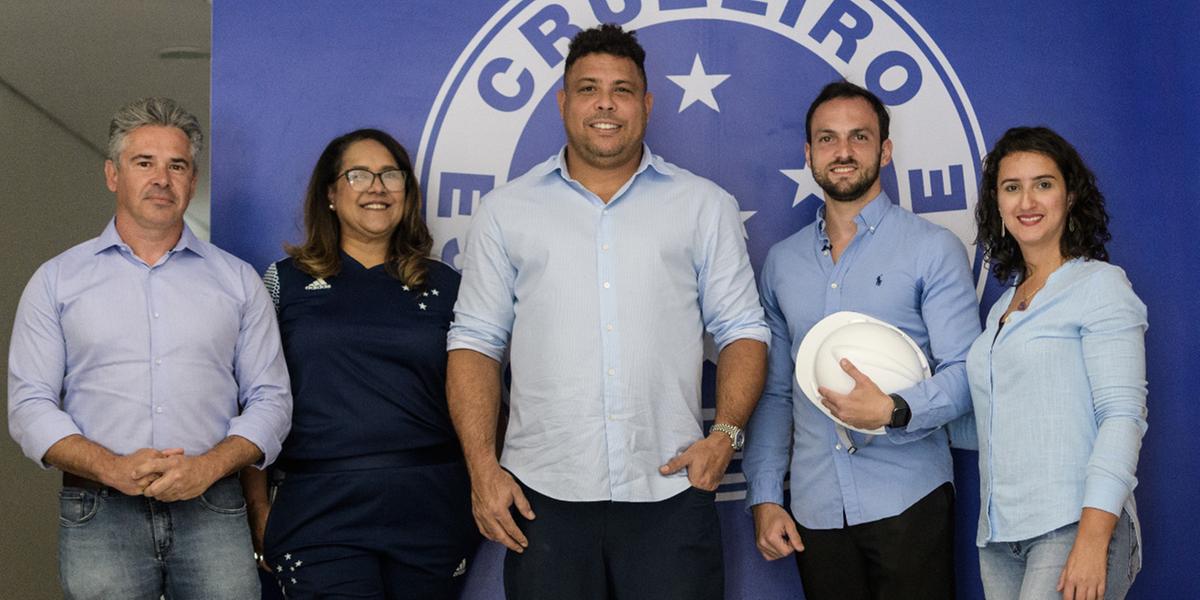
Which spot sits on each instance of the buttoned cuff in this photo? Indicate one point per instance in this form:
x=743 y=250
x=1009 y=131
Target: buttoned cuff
x=268 y=444
x=1104 y=493
x=51 y=428
x=963 y=433
x=918 y=423
x=764 y=493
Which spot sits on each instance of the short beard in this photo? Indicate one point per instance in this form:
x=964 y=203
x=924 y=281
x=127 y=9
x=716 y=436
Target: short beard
x=855 y=190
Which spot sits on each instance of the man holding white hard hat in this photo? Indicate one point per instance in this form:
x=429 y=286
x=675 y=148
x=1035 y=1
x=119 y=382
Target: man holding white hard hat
x=871 y=513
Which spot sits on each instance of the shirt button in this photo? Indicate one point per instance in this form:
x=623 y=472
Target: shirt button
x=607 y=285
x=158 y=409
x=838 y=447
x=155 y=315
x=871 y=228
x=604 y=247
x=609 y=327
x=825 y=252
x=833 y=285
x=612 y=371
x=158 y=361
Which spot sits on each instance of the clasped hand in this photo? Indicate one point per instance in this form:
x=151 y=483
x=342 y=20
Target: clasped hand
x=166 y=475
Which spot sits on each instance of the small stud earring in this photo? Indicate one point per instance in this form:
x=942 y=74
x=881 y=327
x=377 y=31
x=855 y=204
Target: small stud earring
x=330 y=206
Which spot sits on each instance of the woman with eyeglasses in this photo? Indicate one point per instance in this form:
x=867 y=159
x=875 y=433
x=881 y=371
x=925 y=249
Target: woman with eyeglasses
x=372 y=497
x=1058 y=380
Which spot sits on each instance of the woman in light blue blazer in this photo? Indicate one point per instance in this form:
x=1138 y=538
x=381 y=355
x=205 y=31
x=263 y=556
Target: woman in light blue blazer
x=1058 y=380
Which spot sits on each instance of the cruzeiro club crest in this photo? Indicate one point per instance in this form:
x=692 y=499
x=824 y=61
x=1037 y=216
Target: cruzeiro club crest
x=732 y=81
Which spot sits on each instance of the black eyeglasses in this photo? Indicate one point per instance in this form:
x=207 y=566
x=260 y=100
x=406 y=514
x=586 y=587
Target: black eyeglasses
x=361 y=180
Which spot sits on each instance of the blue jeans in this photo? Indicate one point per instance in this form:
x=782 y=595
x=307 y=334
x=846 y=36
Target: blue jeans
x=131 y=547
x=1029 y=569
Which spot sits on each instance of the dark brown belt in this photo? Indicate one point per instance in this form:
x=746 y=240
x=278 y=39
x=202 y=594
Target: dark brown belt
x=73 y=480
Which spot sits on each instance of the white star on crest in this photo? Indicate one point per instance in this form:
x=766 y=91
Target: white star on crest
x=746 y=214
x=434 y=292
x=404 y=287
x=422 y=305
x=698 y=86
x=805 y=184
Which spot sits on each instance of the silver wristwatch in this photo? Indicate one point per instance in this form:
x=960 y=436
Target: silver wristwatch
x=737 y=438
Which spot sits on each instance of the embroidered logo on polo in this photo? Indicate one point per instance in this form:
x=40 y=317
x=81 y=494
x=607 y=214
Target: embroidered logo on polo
x=732 y=81
x=318 y=284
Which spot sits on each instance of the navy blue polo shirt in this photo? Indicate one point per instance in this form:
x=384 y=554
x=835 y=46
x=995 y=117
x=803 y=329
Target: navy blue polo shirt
x=367 y=359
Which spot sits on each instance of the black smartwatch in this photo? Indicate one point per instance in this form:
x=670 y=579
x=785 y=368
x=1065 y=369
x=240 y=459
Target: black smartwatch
x=901 y=414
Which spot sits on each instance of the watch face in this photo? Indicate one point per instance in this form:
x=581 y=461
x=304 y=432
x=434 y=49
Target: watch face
x=739 y=440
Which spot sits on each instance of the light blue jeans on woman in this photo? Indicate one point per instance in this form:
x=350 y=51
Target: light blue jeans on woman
x=1029 y=569
x=135 y=548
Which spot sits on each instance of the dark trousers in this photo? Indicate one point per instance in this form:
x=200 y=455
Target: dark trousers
x=908 y=556
x=394 y=533
x=618 y=550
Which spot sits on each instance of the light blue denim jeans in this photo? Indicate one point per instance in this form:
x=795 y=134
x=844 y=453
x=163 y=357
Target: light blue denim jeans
x=1029 y=569
x=131 y=547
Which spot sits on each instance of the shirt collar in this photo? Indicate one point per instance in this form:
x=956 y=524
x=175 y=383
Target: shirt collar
x=649 y=159
x=868 y=218
x=189 y=241
x=109 y=238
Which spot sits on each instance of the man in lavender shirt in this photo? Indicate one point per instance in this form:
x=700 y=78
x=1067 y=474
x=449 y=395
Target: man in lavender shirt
x=146 y=366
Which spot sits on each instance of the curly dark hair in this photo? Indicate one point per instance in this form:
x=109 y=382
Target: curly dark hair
x=1087 y=229
x=319 y=255
x=607 y=39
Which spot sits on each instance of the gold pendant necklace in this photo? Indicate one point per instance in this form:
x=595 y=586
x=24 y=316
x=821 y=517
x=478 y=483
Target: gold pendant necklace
x=1024 y=303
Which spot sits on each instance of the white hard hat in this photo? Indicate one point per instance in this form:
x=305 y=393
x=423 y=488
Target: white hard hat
x=881 y=351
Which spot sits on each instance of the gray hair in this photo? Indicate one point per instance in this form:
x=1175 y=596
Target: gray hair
x=160 y=111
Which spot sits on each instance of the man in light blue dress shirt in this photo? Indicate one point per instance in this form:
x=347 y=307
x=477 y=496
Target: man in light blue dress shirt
x=875 y=520
x=146 y=365
x=598 y=272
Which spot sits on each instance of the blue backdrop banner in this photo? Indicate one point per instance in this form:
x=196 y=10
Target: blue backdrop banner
x=468 y=87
